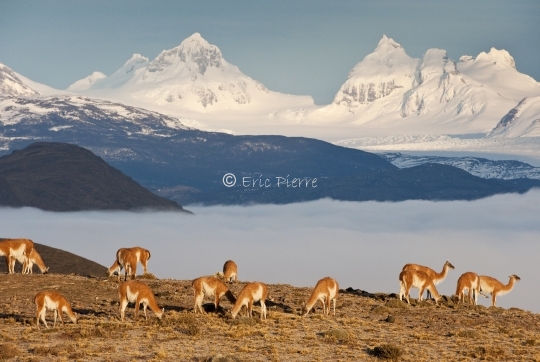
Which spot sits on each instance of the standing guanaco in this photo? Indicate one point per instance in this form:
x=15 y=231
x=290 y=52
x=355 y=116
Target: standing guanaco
x=136 y=292
x=326 y=290
x=127 y=259
x=210 y=286
x=230 y=271
x=416 y=279
x=495 y=287
x=251 y=293
x=435 y=277
x=54 y=301
x=471 y=282
x=13 y=249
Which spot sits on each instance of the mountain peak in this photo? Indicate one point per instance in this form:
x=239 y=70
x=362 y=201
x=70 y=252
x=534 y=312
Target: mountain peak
x=499 y=57
x=386 y=42
x=11 y=85
x=136 y=58
x=195 y=52
x=88 y=82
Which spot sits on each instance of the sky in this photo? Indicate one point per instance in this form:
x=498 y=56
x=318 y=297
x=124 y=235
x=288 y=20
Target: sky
x=302 y=47
x=362 y=245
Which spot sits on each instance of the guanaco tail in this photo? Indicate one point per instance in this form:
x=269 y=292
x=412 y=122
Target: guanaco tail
x=127 y=259
x=416 y=279
x=54 y=301
x=251 y=293
x=136 y=292
x=326 y=290
x=230 y=271
x=210 y=286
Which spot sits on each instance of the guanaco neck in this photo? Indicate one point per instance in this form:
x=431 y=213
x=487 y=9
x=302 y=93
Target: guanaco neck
x=508 y=287
x=444 y=272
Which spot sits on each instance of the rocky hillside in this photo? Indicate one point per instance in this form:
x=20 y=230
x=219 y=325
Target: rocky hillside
x=366 y=327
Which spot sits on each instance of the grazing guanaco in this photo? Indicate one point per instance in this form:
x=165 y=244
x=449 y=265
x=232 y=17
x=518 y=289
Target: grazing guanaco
x=495 y=287
x=210 y=286
x=127 y=259
x=13 y=249
x=230 y=271
x=136 y=292
x=471 y=282
x=435 y=277
x=251 y=293
x=54 y=301
x=326 y=290
x=28 y=263
x=416 y=279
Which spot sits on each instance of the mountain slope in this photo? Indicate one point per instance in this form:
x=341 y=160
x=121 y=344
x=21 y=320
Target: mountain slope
x=522 y=121
x=63 y=177
x=497 y=69
x=11 y=85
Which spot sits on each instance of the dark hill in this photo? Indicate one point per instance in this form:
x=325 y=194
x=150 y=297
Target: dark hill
x=61 y=262
x=424 y=182
x=65 y=177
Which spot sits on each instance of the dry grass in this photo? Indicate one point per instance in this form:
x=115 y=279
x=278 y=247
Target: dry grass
x=368 y=327
x=9 y=350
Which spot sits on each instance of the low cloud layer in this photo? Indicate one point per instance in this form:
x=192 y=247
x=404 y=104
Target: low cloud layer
x=362 y=245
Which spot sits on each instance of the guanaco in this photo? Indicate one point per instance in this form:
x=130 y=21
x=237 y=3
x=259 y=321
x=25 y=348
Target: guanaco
x=127 y=259
x=326 y=290
x=230 y=271
x=28 y=263
x=471 y=282
x=435 y=277
x=495 y=287
x=54 y=301
x=13 y=249
x=251 y=293
x=136 y=292
x=210 y=286
x=416 y=279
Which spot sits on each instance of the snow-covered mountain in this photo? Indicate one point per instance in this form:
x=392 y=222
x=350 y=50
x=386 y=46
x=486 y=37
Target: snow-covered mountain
x=390 y=93
x=72 y=110
x=192 y=77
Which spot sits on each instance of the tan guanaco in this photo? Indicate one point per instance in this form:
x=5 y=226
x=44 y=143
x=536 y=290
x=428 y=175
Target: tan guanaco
x=251 y=293
x=416 y=279
x=230 y=271
x=14 y=249
x=326 y=290
x=127 y=259
x=54 y=301
x=494 y=287
x=136 y=292
x=210 y=286
x=435 y=277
